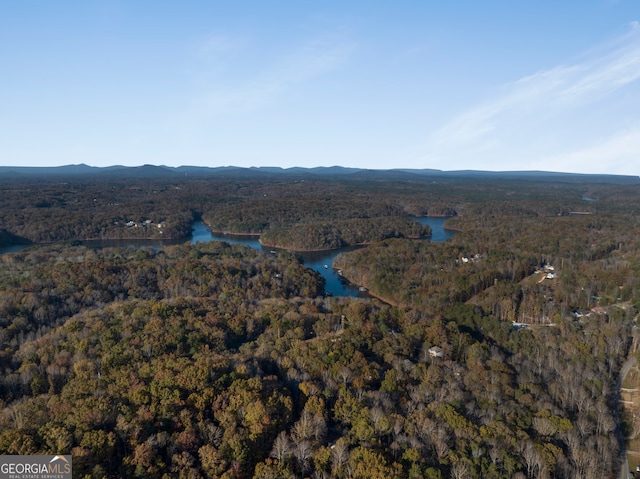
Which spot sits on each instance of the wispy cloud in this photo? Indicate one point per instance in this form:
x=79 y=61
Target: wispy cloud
x=615 y=154
x=212 y=57
x=544 y=104
x=302 y=63
x=216 y=44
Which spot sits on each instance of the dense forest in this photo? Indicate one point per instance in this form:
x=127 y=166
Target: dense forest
x=337 y=234
x=494 y=354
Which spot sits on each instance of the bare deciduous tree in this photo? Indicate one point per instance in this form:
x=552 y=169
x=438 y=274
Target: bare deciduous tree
x=460 y=470
x=282 y=447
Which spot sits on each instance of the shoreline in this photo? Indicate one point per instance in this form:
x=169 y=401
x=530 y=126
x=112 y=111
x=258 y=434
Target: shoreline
x=68 y=242
x=319 y=250
x=356 y=245
x=230 y=233
x=384 y=300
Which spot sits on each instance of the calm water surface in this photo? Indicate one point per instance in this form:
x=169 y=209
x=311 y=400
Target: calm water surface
x=320 y=261
x=438 y=232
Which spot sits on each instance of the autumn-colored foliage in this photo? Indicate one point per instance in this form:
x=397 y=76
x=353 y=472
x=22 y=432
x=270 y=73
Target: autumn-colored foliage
x=478 y=357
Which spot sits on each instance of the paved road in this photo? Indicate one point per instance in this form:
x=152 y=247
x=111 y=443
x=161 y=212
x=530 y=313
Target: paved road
x=624 y=463
x=624 y=467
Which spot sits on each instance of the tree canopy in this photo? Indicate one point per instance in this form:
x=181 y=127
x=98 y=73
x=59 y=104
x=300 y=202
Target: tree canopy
x=495 y=354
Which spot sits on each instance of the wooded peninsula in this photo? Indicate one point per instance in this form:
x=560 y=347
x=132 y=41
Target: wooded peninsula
x=494 y=354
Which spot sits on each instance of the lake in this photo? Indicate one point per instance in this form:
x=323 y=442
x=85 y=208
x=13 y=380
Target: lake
x=320 y=261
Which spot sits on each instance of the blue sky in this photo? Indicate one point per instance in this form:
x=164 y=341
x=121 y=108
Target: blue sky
x=496 y=85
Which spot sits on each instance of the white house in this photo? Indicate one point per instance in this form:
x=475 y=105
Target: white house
x=435 y=352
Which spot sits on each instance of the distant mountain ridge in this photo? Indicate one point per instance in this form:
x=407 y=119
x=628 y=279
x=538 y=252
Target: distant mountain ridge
x=159 y=171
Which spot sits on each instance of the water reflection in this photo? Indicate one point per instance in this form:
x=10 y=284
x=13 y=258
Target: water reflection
x=438 y=232
x=320 y=261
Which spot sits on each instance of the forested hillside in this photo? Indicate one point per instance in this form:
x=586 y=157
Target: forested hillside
x=337 y=234
x=495 y=354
